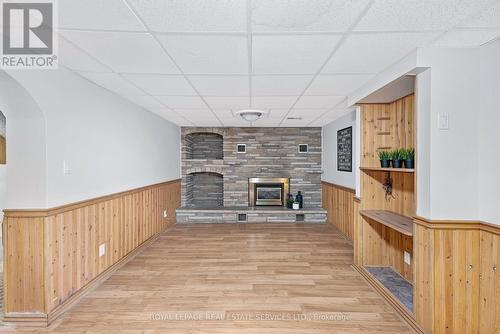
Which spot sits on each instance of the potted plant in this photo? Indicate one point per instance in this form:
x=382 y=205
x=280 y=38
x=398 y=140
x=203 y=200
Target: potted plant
x=409 y=159
x=385 y=159
x=396 y=159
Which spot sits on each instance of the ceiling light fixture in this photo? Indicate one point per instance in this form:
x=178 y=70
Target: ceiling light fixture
x=251 y=115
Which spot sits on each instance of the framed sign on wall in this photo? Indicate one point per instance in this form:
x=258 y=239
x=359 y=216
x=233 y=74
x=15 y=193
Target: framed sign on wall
x=344 y=150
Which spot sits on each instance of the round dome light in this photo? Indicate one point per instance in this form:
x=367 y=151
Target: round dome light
x=250 y=115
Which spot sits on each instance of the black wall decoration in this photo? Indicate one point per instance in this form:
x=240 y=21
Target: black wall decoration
x=344 y=150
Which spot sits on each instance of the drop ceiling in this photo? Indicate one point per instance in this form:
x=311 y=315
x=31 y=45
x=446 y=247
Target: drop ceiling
x=196 y=62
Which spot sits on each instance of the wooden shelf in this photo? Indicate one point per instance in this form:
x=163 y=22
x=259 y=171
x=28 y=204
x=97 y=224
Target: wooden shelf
x=397 y=222
x=394 y=170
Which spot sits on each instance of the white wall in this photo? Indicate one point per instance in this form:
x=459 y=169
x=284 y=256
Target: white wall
x=423 y=139
x=489 y=134
x=108 y=143
x=26 y=152
x=454 y=89
x=329 y=155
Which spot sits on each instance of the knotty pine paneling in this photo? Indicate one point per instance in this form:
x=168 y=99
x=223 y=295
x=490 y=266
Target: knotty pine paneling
x=402 y=200
x=338 y=201
x=489 y=290
x=383 y=246
x=386 y=126
x=23 y=264
x=457 y=285
x=50 y=255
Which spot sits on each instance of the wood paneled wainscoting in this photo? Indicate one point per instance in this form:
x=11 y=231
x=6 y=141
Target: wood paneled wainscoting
x=52 y=256
x=457 y=286
x=338 y=201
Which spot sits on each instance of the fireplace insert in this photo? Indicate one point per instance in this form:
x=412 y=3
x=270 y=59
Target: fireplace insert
x=267 y=191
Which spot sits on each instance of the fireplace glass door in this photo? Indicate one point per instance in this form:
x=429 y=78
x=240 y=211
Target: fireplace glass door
x=269 y=194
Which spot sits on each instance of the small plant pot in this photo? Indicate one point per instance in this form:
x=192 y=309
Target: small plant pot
x=409 y=163
x=385 y=163
x=396 y=164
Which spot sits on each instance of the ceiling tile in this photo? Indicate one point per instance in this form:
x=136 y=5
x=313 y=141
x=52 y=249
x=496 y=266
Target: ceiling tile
x=202 y=54
x=228 y=102
x=193 y=112
x=124 y=51
x=488 y=18
x=171 y=116
x=322 y=15
x=157 y=84
x=270 y=85
x=371 y=53
x=418 y=15
x=220 y=85
x=199 y=116
x=277 y=114
x=97 y=14
x=182 y=102
x=294 y=54
x=467 y=38
x=145 y=101
x=273 y=102
x=329 y=117
x=192 y=15
x=299 y=117
x=76 y=59
x=229 y=119
x=113 y=82
x=318 y=102
x=337 y=84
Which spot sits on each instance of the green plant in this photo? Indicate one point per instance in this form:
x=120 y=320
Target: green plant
x=411 y=154
x=403 y=154
x=384 y=155
x=396 y=155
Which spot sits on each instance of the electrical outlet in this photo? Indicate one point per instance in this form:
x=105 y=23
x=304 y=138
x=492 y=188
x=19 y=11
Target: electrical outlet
x=102 y=249
x=407 y=258
x=164 y=213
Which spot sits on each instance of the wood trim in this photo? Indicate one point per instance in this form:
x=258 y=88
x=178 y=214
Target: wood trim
x=80 y=204
x=357 y=199
x=457 y=225
x=34 y=319
x=400 y=309
x=339 y=187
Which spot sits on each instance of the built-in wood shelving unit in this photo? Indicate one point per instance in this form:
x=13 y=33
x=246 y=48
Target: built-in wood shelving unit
x=384 y=229
x=392 y=170
x=397 y=222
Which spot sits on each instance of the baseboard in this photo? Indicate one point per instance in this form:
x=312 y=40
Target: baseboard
x=44 y=320
x=400 y=309
x=27 y=319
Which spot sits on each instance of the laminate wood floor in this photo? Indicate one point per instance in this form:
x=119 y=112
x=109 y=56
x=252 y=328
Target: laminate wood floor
x=235 y=278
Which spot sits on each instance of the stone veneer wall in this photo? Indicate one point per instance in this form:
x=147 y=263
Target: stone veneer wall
x=270 y=152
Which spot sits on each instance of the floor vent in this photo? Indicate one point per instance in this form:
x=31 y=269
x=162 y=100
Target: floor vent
x=242 y=217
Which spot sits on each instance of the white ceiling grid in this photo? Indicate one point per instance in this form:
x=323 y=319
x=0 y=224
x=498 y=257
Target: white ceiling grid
x=195 y=62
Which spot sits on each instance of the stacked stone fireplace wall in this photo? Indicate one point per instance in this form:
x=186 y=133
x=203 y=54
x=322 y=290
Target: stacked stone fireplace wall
x=270 y=152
